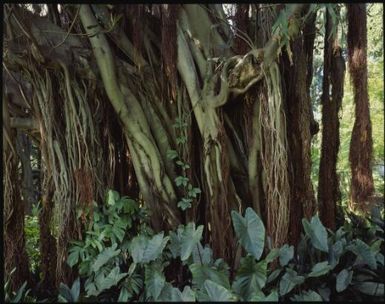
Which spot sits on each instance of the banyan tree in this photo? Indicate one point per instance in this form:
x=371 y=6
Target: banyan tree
x=112 y=96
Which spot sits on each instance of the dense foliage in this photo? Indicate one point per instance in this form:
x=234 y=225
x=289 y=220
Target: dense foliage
x=122 y=259
x=244 y=144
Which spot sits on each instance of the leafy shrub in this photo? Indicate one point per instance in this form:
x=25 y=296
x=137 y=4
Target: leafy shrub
x=32 y=237
x=121 y=259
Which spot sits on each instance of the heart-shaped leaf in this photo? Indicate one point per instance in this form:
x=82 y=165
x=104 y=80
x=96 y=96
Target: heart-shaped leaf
x=250 y=232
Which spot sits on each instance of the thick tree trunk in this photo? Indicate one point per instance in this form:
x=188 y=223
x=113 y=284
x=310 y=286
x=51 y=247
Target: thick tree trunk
x=333 y=77
x=361 y=144
x=299 y=117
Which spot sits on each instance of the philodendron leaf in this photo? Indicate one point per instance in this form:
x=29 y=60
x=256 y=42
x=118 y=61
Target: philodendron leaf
x=103 y=257
x=189 y=239
x=250 y=232
x=286 y=253
x=251 y=276
x=173 y=294
x=260 y=297
x=289 y=280
x=154 y=282
x=343 y=280
x=75 y=290
x=216 y=292
x=201 y=273
x=202 y=255
x=185 y=241
x=320 y=269
x=364 y=253
x=155 y=247
x=317 y=233
x=307 y=296
x=144 y=250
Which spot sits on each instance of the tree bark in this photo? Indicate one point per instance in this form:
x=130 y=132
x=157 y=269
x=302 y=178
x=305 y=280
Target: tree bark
x=15 y=255
x=333 y=78
x=361 y=144
x=298 y=117
x=48 y=253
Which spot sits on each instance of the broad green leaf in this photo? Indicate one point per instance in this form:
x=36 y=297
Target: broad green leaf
x=371 y=288
x=273 y=275
x=317 y=233
x=112 y=197
x=364 y=253
x=343 y=280
x=251 y=276
x=288 y=281
x=190 y=238
x=260 y=297
x=176 y=295
x=202 y=255
x=217 y=292
x=65 y=292
x=307 y=296
x=286 y=253
x=137 y=247
x=155 y=247
x=273 y=254
x=188 y=295
x=91 y=289
x=103 y=282
x=154 y=282
x=185 y=240
x=144 y=250
x=175 y=241
x=103 y=257
x=201 y=273
x=250 y=232
x=335 y=253
x=73 y=258
x=75 y=290
x=320 y=269
x=124 y=295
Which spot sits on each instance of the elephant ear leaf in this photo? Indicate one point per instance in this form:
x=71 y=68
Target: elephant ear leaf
x=250 y=232
x=307 y=296
x=190 y=238
x=343 y=280
x=317 y=233
x=216 y=292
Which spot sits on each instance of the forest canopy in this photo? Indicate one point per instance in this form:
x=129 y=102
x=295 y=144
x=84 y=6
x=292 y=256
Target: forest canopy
x=193 y=152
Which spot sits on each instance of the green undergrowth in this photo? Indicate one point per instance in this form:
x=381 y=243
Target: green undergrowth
x=122 y=259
